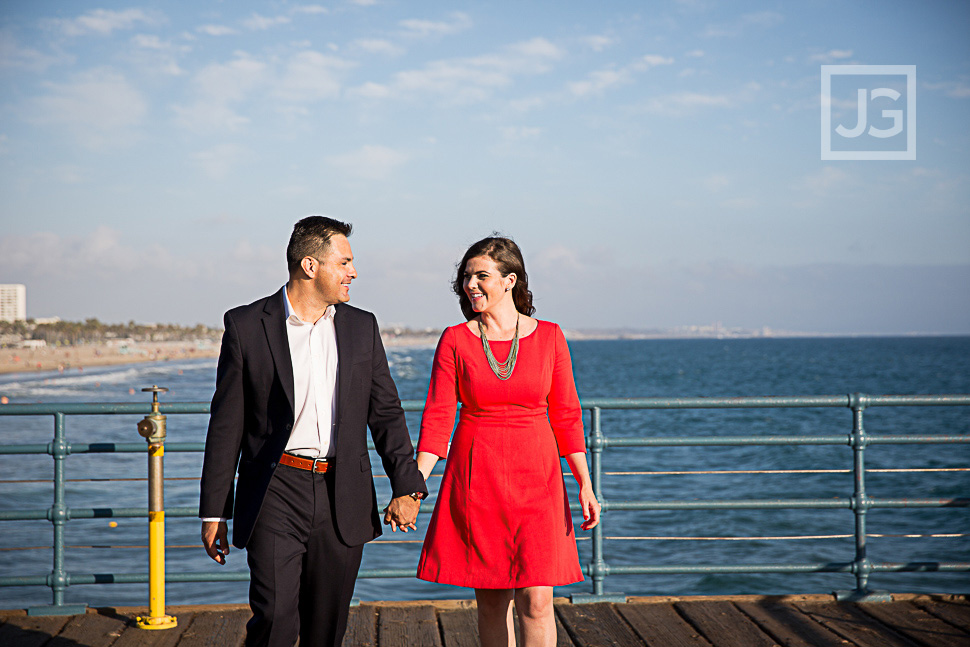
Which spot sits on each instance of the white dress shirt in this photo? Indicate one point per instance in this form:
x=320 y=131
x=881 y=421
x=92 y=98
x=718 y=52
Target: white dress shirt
x=313 y=351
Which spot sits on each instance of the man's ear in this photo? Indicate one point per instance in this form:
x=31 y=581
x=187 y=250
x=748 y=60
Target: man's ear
x=309 y=265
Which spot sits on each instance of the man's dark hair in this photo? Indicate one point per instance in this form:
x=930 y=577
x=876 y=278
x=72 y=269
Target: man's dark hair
x=508 y=258
x=311 y=237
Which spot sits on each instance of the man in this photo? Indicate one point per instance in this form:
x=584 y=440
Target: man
x=300 y=376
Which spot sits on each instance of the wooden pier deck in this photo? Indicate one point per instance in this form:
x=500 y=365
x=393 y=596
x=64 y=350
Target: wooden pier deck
x=737 y=621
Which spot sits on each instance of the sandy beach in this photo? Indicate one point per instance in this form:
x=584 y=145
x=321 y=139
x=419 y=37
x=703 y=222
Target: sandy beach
x=77 y=358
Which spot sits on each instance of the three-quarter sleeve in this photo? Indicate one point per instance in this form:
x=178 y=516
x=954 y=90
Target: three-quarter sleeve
x=438 y=420
x=565 y=414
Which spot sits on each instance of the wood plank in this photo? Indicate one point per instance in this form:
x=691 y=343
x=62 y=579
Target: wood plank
x=459 y=627
x=659 y=625
x=361 y=627
x=922 y=627
x=134 y=636
x=789 y=626
x=956 y=613
x=723 y=624
x=30 y=631
x=408 y=627
x=216 y=628
x=562 y=636
x=90 y=630
x=596 y=625
x=853 y=625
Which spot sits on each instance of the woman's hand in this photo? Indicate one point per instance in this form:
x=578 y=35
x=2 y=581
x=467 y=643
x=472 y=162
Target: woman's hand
x=587 y=500
x=590 y=507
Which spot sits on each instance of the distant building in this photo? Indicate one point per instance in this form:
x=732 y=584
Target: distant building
x=13 y=302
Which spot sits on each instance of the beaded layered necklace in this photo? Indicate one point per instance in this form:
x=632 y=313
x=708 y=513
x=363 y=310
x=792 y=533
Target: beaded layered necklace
x=502 y=370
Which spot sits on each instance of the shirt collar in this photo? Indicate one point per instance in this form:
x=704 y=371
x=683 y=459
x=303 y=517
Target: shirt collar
x=293 y=318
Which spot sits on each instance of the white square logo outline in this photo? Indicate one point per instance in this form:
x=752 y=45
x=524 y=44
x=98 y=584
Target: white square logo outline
x=828 y=71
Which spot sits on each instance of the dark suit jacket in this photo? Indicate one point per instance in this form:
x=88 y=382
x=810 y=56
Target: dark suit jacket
x=252 y=415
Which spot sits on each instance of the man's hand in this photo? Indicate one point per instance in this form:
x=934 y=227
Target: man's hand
x=402 y=512
x=215 y=539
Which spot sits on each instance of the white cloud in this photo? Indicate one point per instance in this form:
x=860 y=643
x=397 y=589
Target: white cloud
x=681 y=103
x=225 y=91
x=954 y=89
x=716 y=182
x=370 y=162
x=599 y=81
x=469 y=80
x=157 y=55
x=99 y=255
x=519 y=133
x=219 y=86
x=216 y=30
x=13 y=56
x=219 y=161
x=105 y=21
x=759 y=19
x=377 y=46
x=415 y=28
x=99 y=107
x=695 y=53
x=824 y=181
x=310 y=9
x=257 y=22
x=650 y=60
x=371 y=90
x=598 y=43
x=831 y=56
x=310 y=76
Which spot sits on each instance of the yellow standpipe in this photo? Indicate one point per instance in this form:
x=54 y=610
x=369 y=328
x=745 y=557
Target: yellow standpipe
x=152 y=428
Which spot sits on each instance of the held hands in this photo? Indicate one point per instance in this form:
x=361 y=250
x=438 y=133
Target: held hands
x=590 y=507
x=402 y=512
x=215 y=540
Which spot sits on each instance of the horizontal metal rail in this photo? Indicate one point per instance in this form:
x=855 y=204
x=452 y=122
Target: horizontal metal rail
x=59 y=513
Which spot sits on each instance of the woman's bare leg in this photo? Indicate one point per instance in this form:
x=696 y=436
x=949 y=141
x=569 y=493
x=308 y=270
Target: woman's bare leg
x=537 y=623
x=495 y=617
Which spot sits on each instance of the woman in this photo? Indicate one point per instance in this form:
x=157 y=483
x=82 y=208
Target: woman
x=502 y=524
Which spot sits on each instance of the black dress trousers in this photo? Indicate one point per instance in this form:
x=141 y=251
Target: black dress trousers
x=302 y=575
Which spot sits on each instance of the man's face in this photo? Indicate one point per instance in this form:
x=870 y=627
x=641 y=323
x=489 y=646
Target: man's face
x=335 y=271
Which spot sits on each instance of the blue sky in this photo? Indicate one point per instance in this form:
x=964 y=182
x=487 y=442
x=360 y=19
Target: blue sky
x=659 y=163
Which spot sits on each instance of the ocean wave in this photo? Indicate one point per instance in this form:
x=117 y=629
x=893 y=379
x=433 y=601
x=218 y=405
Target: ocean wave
x=95 y=380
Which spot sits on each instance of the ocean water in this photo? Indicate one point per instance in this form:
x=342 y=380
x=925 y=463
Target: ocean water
x=619 y=368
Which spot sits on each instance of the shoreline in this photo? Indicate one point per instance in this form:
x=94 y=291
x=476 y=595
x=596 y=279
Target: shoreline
x=75 y=359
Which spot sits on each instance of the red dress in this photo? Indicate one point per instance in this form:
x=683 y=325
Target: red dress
x=502 y=519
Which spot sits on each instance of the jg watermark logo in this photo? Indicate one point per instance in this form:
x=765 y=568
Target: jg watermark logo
x=868 y=112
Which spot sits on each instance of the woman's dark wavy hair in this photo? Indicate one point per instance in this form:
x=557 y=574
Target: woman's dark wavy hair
x=508 y=258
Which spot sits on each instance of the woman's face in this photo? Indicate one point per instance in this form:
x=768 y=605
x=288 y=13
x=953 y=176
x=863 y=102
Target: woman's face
x=484 y=284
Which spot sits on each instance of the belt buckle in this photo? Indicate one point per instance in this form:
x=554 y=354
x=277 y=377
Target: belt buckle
x=323 y=459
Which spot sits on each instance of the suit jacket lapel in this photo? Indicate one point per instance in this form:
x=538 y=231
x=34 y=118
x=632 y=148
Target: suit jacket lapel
x=344 y=359
x=274 y=323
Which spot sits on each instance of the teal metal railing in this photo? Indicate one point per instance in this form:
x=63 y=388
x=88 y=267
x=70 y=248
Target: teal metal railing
x=598 y=568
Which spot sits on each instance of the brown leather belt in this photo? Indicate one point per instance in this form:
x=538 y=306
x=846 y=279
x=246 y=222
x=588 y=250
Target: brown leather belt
x=318 y=465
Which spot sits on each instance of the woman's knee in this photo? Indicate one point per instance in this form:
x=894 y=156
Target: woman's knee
x=493 y=601
x=534 y=602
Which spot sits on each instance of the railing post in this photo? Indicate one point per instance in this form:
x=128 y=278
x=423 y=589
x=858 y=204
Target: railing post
x=598 y=567
x=152 y=428
x=58 y=515
x=861 y=503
